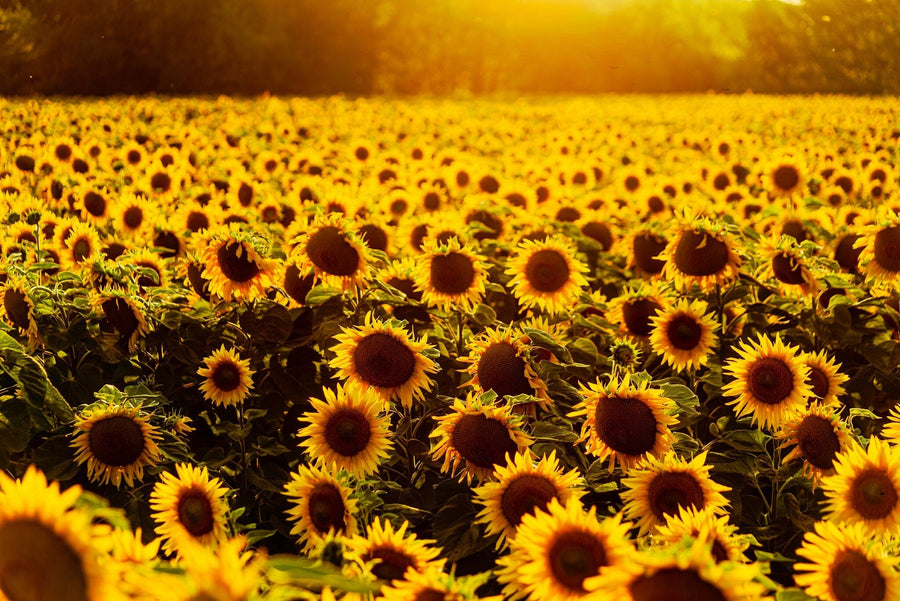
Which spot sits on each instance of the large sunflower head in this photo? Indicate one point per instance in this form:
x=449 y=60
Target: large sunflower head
x=547 y=275
x=331 y=247
x=846 y=563
x=347 y=431
x=625 y=421
x=321 y=503
x=116 y=442
x=702 y=253
x=523 y=487
x=392 y=553
x=865 y=488
x=189 y=508
x=476 y=437
x=234 y=265
x=818 y=436
x=383 y=357
x=558 y=548
x=683 y=334
x=451 y=276
x=228 y=377
x=660 y=487
x=771 y=382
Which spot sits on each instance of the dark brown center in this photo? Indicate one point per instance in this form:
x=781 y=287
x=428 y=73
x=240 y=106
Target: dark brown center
x=647 y=246
x=887 y=248
x=133 y=217
x=547 y=271
x=500 y=369
x=95 y=204
x=786 y=177
x=700 y=254
x=330 y=251
x=393 y=564
x=625 y=425
x=120 y=315
x=326 y=508
x=770 y=380
x=226 y=376
x=17 y=308
x=116 y=440
x=673 y=584
x=383 y=361
x=347 y=432
x=637 y=313
x=574 y=556
x=872 y=494
x=670 y=491
x=684 y=332
x=195 y=512
x=818 y=441
x=787 y=269
x=525 y=495
x=452 y=273
x=297 y=287
x=482 y=441
x=235 y=263
x=855 y=578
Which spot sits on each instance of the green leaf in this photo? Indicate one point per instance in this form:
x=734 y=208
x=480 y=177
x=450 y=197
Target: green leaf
x=484 y=315
x=793 y=594
x=544 y=340
x=747 y=440
x=320 y=295
x=547 y=431
x=289 y=569
x=584 y=350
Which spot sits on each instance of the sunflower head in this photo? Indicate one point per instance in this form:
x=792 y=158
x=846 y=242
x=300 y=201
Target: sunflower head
x=683 y=334
x=451 y=275
x=330 y=247
x=234 y=265
x=818 y=436
x=702 y=253
x=547 y=275
x=391 y=553
x=321 y=503
x=228 y=378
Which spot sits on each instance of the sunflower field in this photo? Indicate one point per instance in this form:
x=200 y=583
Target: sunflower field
x=617 y=348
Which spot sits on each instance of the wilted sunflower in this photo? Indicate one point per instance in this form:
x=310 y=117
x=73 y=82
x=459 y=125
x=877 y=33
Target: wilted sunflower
x=234 y=267
x=686 y=572
x=824 y=378
x=48 y=550
x=117 y=442
x=633 y=310
x=880 y=244
x=625 y=422
x=477 y=437
x=228 y=377
x=547 y=275
x=189 y=508
x=707 y=527
x=819 y=435
x=702 y=253
x=347 y=431
x=771 y=382
x=384 y=358
x=523 y=486
x=557 y=549
x=846 y=563
x=393 y=552
x=321 y=502
x=683 y=334
x=450 y=276
x=331 y=247
x=498 y=362
x=660 y=487
x=123 y=314
x=865 y=488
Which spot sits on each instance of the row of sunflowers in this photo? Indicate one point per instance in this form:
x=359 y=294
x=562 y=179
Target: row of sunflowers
x=616 y=348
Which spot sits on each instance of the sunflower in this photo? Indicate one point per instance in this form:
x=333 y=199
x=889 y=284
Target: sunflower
x=450 y=276
x=123 y=315
x=477 y=437
x=347 y=431
x=685 y=572
x=132 y=216
x=846 y=563
x=116 y=442
x=228 y=572
x=683 y=334
x=547 y=275
x=523 y=487
x=771 y=382
x=399 y=275
x=660 y=487
x=234 y=267
x=644 y=244
x=148 y=269
x=228 y=377
x=785 y=177
x=94 y=206
x=556 y=549
x=625 y=422
x=321 y=502
x=819 y=436
x=789 y=265
x=295 y=283
x=392 y=553
x=384 y=358
x=706 y=526
x=431 y=584
x=189 y=508
x=702 y=253
x=880 y=249
x=634 y=309
x=865 y=488
x=331 y=247
x=18 y=307
x=48 y=550
x=498 y=362
x=81 y=246
x=824 y=378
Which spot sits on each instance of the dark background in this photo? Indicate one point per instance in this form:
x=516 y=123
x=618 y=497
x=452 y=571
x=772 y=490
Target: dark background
x=316 y=47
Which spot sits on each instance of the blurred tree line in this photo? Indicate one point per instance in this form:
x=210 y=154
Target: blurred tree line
x=447 y=46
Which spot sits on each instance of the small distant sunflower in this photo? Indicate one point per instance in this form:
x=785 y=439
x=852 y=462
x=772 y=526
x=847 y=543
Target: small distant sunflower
x=132 y=216
x=625 y=422
x=660 y=487
x=477 y=437
x=686 y=572
x=234 y=266
x=846 y=563
x=703 y=254
x=149 y=270
x=634 y=310
x=865 y=488
x=331 y=247
x=116 y=442
x=819 y=437
x=451 y=276
x=786 y=177
x=399 y=274
x=189 y=508
x=771 y=382
x=683 y=334
x=394 y=552
x=498 y=361
x=825 y=379
x=228 y=377
x=557 y=549
x=81 y=246
x=880 y=254
x=523 y=487
x=384 y=358
x=94 y=205
x=707 y=527
x=321 y=502
x=547 y=275
x=347 y=431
